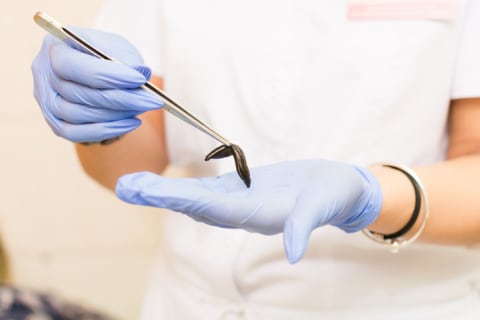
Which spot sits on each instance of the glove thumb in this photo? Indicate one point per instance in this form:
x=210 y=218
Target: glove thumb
x=295 y=239
x=297 y=230
x=111 y=44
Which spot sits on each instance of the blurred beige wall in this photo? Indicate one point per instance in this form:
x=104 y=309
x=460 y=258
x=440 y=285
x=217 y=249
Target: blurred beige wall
x=63 y=233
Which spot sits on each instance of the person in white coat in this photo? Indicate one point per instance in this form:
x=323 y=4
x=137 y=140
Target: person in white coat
x=354 y=116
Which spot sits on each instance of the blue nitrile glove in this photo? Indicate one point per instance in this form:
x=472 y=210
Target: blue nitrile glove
x=290 y=197
x=86 y=99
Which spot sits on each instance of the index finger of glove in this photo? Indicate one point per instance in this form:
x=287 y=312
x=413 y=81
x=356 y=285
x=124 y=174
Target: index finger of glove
x=73 y=65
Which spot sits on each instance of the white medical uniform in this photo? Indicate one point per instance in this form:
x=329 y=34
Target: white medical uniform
x=296 y=79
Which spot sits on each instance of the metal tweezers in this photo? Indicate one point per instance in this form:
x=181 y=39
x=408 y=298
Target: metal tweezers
x=226 y=149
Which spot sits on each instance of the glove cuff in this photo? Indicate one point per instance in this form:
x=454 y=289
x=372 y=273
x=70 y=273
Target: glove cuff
x=370 y=203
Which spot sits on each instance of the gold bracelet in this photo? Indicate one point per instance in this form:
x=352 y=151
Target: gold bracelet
x=395 y=241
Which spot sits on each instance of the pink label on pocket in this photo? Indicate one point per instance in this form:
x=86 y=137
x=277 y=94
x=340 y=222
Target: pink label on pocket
x=377 y=10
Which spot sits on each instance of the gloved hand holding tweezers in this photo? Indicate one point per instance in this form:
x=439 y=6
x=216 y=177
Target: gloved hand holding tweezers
x=69 y=87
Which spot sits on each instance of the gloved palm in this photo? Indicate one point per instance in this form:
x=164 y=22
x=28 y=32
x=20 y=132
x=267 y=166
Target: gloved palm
x=86 y=99
x=291 y=197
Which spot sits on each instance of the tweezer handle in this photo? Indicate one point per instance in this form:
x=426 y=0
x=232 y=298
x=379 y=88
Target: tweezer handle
x=58 y=30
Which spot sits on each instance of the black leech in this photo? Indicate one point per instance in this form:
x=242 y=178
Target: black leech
x=218 y=153
x=241 y=164
x=239 y=157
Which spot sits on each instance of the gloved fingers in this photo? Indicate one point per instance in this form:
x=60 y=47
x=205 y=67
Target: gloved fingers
x=114 y=99
x=91 y=132
x=298 y=227
x=146 y=188
x=191 y=196
x=79 y=114
x=73 y=65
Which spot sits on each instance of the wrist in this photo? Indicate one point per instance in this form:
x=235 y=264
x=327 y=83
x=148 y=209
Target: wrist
x=398 y=200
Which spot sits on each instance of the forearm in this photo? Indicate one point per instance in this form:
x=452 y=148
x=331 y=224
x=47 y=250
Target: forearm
x=140 y=150
x=453 y=193
x=143 y=149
